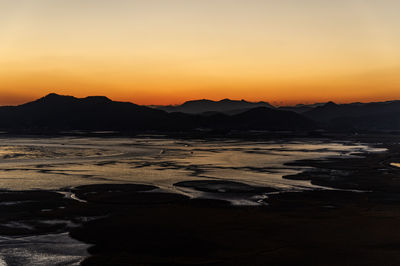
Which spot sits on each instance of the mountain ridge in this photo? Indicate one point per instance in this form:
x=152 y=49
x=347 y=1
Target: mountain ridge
x=57 y=112
x=204 y=105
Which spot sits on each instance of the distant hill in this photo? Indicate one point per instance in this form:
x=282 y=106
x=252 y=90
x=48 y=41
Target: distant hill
x=206 y=106
x=358 y=116
x=301 y=108
x=263 y=118
x=54 y=113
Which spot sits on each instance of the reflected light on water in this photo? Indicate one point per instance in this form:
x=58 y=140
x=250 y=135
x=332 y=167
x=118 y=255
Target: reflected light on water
x=395 y=164
x=56 y=163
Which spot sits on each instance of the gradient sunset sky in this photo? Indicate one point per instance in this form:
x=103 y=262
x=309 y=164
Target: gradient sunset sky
x=170 y=51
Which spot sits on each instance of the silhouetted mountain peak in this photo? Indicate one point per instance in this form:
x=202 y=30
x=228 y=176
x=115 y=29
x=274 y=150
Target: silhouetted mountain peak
x=55 y=96
x=51 y=95
x=97 y=99
x=202 y=101
x=226 y=100
x=330 y=104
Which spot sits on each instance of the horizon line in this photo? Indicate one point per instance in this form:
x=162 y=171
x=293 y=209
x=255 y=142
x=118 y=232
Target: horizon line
x=205 y=99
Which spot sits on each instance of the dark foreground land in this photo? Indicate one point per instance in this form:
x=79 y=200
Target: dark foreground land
x=133 y=225
x=327 y=228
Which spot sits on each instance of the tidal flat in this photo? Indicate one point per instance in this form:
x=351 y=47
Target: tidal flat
x=153 y=200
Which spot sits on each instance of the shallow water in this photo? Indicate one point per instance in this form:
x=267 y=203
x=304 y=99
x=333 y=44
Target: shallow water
x=54 y=249
x=56 y=163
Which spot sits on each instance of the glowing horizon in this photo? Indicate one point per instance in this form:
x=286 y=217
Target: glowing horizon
x=170 y=51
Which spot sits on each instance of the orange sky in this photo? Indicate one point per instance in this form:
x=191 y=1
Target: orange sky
x=170 y=51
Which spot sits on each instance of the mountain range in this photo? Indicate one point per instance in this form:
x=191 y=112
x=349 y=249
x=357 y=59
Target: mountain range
x=204 y=106
x=59 y=113
x=358 y=116
x=55 y=113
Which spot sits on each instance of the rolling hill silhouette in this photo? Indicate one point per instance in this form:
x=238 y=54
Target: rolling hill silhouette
x=92 y=113
x=226 y=106
x=55 y=113
x=262 y=118
x=358 y=116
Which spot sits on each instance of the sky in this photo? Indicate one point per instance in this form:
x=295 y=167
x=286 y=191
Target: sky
x=170 y=51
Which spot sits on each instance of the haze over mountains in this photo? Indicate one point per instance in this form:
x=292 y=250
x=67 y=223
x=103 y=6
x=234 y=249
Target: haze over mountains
x=54 y=113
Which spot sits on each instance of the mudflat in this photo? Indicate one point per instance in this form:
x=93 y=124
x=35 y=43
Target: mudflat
x=310 y=228
x=132 y=224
